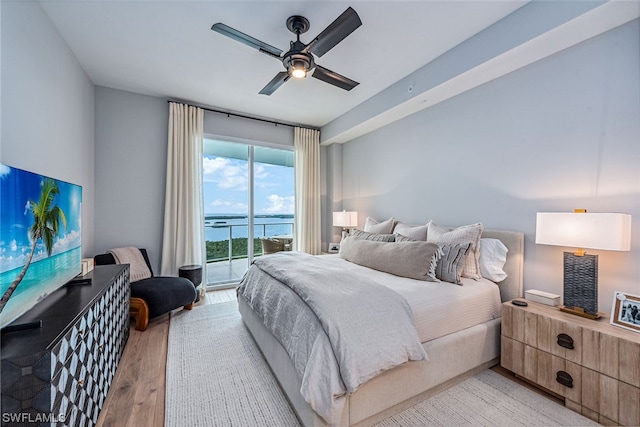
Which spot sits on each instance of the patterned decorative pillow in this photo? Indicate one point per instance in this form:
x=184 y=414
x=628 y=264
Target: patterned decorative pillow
x=451 y=262
x=376 y=237
x=416 y=232
x=384 y=227
x=461 y=235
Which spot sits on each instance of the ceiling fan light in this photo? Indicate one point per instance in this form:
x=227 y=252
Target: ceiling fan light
x=298 y=67
x=299 y=73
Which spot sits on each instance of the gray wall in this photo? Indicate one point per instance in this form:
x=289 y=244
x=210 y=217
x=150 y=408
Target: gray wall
x=331 y=177
x=131 y=153
x=560 y=134
x=47 y=106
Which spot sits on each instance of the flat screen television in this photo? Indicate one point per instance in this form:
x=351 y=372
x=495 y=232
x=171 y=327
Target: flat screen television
x=40 y=238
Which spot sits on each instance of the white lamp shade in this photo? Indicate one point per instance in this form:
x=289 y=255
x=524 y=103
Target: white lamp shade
x=605 y=231
x=345 y=219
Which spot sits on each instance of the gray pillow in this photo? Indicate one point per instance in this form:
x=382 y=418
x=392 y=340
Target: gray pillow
x=373 y=236
x=384 y=227
x=401 y=238
x=416 y=232
x=415 y=260
x=451 y=262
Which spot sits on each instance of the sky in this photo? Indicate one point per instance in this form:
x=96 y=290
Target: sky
x=17 y=189
x=226 y=187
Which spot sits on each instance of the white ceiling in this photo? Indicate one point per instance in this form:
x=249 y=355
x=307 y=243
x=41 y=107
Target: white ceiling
x=167 y=49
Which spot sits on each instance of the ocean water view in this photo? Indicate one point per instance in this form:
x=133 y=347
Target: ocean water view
x=218 y=226
x=43 y=277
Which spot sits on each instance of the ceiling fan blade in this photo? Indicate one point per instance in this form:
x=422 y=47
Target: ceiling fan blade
x=344 y=25
x=333 y=78
x=275 y=83
x=241 y=37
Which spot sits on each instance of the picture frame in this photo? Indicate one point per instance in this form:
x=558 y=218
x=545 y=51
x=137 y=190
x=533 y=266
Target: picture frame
x=334 y=248
x=625 y=311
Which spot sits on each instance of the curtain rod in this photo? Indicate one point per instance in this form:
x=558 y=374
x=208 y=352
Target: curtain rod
x=227 y=113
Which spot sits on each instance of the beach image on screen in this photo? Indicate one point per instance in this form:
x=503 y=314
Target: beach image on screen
x=40 y=229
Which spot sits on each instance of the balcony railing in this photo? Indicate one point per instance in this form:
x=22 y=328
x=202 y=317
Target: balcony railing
x=234 y=245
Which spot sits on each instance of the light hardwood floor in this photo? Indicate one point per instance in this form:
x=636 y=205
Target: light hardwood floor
x=136 y=396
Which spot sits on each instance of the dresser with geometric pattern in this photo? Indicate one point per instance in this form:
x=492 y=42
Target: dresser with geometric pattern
x=59 y=374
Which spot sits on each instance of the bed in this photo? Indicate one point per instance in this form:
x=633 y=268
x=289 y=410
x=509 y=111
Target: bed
x=452 y=354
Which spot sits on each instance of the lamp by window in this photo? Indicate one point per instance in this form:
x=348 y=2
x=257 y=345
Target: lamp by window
x=605 y=231
x=345 y=220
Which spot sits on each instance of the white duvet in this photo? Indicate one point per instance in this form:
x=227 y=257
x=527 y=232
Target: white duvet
x=439 y=308
x=334 y=364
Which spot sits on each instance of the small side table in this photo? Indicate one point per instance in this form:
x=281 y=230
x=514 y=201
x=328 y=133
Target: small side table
x=194 y=274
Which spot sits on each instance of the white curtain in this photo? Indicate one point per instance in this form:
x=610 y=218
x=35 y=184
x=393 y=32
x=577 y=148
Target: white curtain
x=183 y=237
x=306 y=145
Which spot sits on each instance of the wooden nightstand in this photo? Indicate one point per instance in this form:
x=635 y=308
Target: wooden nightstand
x=593 y=365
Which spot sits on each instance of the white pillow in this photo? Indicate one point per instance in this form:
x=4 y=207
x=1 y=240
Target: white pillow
x=493 y=255
x=416 y=232
x=384 y=227
x=460 y=235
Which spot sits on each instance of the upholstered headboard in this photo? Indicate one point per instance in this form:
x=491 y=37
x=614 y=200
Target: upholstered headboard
x=512 y=286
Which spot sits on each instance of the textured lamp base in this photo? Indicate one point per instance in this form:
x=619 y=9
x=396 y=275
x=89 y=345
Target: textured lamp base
x=581 y=284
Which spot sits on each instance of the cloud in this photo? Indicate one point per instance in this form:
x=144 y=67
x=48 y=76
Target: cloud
x=279 y=204
x=213 y=165
x=231 y=207
x=66 y=242
x=227 y=174
x=260 y=172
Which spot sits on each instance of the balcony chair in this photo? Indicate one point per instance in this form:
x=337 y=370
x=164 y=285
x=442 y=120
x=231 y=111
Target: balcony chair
x=155 y=295
x=270 y=245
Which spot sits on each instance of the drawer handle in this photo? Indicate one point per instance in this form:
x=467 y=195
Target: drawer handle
x=565 y=341
x=564 y=378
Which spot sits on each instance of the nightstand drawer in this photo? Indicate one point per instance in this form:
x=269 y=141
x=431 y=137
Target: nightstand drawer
x=566 y=340
x=512 y=355
x=554 y=373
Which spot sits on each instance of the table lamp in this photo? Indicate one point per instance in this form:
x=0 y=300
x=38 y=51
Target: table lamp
x=604 y=231
x=345 y=220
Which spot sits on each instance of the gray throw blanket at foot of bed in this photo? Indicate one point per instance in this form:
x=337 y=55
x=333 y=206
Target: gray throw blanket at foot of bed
x=340 y=329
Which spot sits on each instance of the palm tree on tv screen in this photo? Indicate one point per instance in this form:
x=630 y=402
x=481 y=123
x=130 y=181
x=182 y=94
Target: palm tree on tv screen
x=46 y=224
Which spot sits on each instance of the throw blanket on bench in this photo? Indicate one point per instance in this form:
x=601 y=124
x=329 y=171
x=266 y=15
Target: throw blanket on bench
x=132 y=256
x=339 y=329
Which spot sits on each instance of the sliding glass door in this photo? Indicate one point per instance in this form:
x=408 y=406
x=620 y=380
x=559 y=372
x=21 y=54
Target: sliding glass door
x=248 y=195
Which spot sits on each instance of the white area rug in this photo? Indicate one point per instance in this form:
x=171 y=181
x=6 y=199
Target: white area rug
x=216 y=376
x=487 y=399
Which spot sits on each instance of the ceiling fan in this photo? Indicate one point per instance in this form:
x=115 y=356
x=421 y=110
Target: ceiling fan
x=299 y=60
